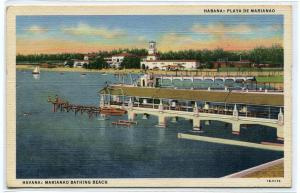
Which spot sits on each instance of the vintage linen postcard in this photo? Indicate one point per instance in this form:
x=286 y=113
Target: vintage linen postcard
x=149 y=96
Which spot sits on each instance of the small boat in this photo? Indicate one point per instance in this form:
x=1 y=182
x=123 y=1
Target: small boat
x=127 y=121
x=103 y=74
x=26 y=114
x=36 y=70
x=121 y=124
x=112 y=111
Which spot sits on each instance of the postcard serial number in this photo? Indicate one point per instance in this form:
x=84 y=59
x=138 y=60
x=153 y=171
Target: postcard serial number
x=273 y=180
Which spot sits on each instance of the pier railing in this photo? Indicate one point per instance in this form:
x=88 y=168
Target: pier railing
x=214 y=110
x=93 y=111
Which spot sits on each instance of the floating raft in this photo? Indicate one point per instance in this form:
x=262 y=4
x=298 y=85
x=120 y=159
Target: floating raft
x=121 y=124
x=127 y=121
x=124 y=123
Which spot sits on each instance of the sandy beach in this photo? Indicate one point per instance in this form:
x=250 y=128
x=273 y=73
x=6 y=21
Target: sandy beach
x=66 y=69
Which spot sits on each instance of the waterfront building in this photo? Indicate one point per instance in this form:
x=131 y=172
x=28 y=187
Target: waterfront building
x=79 y=63
x=235 y=107
x=108 y=60
x=192 y=82
x=152 y=61
x=115 y=61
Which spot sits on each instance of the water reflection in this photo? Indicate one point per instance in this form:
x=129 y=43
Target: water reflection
x=36 y=76
x=161 y=135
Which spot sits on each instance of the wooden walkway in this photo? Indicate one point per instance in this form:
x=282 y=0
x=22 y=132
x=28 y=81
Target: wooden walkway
x=92 y=111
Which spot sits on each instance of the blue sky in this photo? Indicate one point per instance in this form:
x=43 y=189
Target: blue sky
x=39 y=34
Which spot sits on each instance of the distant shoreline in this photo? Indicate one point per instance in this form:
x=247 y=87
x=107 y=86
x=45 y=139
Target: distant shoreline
x=265 y=76
x=65 y=69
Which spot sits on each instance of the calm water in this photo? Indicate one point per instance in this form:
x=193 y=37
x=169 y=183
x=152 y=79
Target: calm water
x=61 y=145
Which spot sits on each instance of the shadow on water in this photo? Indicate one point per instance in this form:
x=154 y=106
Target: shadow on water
x=250 y=133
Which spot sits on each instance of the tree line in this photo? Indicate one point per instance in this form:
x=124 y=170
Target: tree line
x=274 y=56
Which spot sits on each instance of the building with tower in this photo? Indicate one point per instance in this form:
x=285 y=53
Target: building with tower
x=152 y=61
x=152 y=47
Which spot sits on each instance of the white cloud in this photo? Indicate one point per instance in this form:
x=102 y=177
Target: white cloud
x=220 y=30
x=85 y=29
x=37 y=29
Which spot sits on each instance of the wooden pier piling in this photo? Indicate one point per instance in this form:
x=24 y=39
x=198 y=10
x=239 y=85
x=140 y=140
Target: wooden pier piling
x=91 y=111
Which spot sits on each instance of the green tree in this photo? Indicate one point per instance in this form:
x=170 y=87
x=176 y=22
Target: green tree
x=70 y=64
x=131 y=62
x=98 y=63
x=272 y=55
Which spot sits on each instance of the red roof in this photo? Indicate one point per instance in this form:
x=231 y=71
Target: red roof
x=153 y=55
x=123 y=54
x=91 y=55
x=233 y=62
x=174 y=66
x=171 y=60
x=80 y=60
x=242 y=61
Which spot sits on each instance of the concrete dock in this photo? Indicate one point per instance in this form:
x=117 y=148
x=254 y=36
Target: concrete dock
x=229 y=142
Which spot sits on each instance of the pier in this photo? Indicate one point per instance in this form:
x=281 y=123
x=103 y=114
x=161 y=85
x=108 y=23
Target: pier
x=92 y=111
x=235 y=108
x=233 y=119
